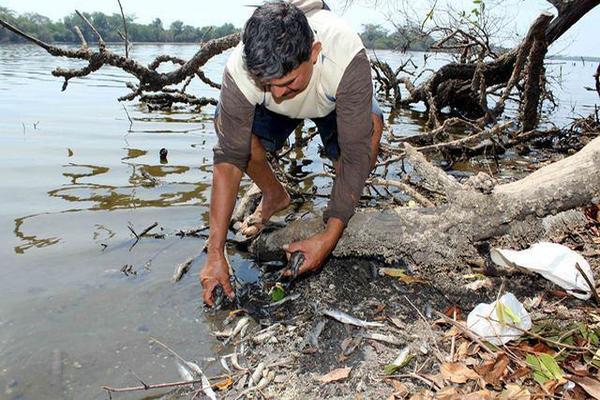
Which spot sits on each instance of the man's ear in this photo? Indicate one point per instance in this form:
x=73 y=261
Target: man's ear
x=314 y=53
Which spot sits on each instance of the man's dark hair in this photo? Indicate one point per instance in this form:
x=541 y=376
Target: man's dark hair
x=277 y=39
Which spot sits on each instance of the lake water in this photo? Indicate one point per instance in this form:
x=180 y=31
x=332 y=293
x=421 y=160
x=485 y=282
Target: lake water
x=73 y=179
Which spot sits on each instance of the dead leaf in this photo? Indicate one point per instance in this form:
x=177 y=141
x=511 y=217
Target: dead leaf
x=591 y=386
x=448 y=393
x=457 y=372
x=454 y=312
x=402 y=275
x=400 y=388
x=480 y=395
x=478 y=284
x=225 y=384
x=335 y=375
x=493 y=371
x=424 y=395
x=515 y=392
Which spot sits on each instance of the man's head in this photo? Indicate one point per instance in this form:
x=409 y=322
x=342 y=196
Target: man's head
x=279 y=49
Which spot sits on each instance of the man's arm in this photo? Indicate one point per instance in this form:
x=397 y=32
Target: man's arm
x=231 y=154
x=354 y=123
x=353 y=109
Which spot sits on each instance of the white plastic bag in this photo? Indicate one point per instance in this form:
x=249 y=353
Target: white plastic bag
x=498 y=324
x=554 y=262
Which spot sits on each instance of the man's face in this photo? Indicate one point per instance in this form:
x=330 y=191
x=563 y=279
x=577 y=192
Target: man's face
x=296 y=81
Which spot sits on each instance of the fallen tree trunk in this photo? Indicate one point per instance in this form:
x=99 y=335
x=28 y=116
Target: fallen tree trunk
x=448 y=234
x=451 y=84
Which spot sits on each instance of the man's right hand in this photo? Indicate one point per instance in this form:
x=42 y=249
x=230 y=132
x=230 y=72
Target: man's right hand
x=215 y=272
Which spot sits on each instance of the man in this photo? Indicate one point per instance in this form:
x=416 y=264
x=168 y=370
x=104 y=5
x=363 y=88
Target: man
x=297 y=60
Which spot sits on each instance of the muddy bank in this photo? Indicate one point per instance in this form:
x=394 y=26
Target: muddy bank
x=407 y=307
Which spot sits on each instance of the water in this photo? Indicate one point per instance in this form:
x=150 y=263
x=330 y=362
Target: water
x=73 y=179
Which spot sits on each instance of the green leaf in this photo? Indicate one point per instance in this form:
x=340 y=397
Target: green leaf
x=277 y=292
x=545 y=368
x=596 y=359
x=391 y=369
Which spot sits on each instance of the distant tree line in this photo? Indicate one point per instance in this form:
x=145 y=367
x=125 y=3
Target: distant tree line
x=108 y=26
x=374 y=36
x=407 y=37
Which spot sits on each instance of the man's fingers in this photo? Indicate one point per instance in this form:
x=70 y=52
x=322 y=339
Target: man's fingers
x=208 y=287
x=228 y=289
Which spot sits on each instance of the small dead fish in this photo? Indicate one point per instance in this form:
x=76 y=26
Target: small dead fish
x=206 y=386
x=181 y=270
x=349 y=319
x=296 y=261
x=287 y=299
x=380 y=338
x=256 y=375
x=185 y=373
x=217 y=295
x=223 y=334
x=242 y=382
x=238 y=328
x=312 y=339
x=236 y=363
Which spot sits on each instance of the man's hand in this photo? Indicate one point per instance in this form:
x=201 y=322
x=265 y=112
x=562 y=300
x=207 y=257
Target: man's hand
x=317 y=247
x=215 y=272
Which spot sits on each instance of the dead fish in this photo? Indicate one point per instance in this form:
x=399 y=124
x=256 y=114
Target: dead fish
x=223 y=334
x=257 y=374
x=185 y=374
x=349 y=319
x=380 y=338
x=242 y=382
x=236 y=363
x=206 y=386
x=238 y=328
x=312 y=339
x=281 y=302
x=296 y=261
x=181 y=270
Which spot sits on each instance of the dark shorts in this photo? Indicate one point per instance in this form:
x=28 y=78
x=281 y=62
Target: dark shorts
x=273 y=129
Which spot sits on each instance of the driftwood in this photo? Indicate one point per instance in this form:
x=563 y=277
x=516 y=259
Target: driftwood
x=463 y=86
x=448 y=234
x=149 y=79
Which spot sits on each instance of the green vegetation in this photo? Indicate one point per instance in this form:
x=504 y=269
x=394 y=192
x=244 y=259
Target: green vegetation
x=404 y=38
x=374 y=36
x=108 y=26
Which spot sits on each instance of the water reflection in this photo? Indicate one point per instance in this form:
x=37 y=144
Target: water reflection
x=147 y=185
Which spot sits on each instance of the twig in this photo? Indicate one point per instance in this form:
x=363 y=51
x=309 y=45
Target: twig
x=159 y=385
x=589 y=283
x=128 y=117
x=419 y=198
x=81 y=37
x=415 y=376
x=125 y=29
x=148 y=229
x=93 y=28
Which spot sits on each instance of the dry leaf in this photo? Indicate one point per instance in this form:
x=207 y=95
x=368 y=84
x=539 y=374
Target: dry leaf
x=478 y=284
x=591 y=386
x=462 y=351
x=400 y=388
x=457 y=372
x=225 y=384
x=515 y=392
x=448 y=393
x=453 y=312
x=492 y=371
x=335 y=375
x=480 y=395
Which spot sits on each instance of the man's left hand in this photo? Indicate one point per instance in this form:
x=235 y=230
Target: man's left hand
x=317 y=247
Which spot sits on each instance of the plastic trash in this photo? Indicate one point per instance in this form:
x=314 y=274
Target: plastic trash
x=498 y=324
x=554 y=262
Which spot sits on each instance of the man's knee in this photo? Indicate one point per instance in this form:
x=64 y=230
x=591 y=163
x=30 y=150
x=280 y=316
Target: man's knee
x=257 y=150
